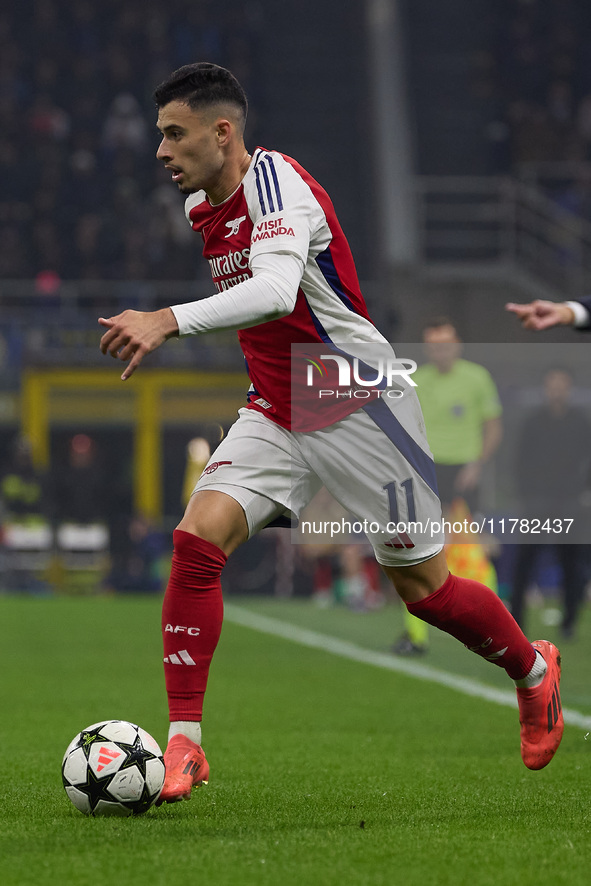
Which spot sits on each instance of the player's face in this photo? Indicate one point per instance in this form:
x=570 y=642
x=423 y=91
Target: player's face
x=190 y=147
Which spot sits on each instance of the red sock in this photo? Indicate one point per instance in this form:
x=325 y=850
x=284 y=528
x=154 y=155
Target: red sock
x=473 y=614
x=192 y=615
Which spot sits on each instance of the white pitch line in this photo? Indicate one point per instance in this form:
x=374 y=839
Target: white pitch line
x=343 y=648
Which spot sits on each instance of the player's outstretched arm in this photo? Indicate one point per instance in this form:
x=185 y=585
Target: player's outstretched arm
x=541 y=314
x=133 y=334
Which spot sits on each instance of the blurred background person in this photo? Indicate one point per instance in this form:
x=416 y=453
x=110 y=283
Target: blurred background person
x=80 y=487
x=342 y=570
x=142 y=559
x=22 y=485
x=462 y=413
x=85 y=512
x=552 y=472
x=25 y=532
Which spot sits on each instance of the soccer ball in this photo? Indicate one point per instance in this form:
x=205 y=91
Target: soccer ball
x=113 y=768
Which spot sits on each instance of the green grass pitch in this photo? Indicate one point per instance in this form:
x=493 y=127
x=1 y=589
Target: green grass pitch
x=324 y=771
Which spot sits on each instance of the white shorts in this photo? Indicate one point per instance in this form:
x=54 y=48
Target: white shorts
x=375 y=462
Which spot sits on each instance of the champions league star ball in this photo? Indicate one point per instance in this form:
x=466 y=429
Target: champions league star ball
x=113 y=768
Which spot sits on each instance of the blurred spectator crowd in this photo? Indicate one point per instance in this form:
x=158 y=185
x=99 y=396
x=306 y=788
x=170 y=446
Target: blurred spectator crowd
x=81 y=194
x=544 y=77
x=539 y=80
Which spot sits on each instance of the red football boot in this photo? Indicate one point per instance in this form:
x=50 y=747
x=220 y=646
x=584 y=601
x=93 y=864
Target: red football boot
x=540 y=712
x=186 y=768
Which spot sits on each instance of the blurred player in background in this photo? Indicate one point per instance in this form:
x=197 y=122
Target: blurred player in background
x=462 y=413
x=284 y=274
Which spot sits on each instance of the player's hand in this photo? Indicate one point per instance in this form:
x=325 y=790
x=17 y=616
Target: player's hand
x=133 y=334
x=542 y=314
x=468 y=477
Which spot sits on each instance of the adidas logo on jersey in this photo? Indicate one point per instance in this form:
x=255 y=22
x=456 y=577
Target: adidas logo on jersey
x=182 y=657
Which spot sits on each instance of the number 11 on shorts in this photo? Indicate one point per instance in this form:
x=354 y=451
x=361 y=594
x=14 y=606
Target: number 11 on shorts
x=408 y=491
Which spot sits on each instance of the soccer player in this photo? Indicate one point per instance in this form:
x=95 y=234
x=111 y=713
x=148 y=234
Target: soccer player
x=284 y=274
x=543 y=314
